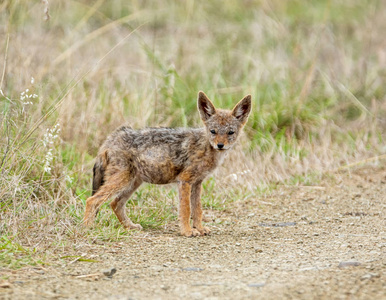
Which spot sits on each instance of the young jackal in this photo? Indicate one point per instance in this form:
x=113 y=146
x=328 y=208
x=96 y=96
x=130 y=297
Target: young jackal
x=164 y=155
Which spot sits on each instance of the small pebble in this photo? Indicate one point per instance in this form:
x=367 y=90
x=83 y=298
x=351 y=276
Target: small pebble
x=5 y=284
x=109 y=272
x=369 y=276
x=192 y=269
x=344 y=264
x=258 y=284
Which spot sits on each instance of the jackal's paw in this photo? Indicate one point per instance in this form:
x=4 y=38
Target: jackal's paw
x=190 y=232
x=204 y=231
x=132 y=226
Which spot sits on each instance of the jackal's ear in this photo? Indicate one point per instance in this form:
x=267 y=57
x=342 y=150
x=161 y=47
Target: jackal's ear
x=205 y=106
x=242 y=109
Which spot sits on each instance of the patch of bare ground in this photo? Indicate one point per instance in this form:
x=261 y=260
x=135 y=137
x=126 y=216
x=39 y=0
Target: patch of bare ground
x=304 y=242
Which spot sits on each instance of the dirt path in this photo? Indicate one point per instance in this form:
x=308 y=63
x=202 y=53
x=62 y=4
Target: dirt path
x=324 y=242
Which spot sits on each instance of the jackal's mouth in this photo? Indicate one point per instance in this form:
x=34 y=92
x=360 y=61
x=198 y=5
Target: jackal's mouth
x=220 y=147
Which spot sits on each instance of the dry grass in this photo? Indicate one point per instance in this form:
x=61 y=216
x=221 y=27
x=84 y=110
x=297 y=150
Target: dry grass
x=314 y=68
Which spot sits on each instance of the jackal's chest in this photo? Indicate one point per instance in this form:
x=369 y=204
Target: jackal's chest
x=199 y=168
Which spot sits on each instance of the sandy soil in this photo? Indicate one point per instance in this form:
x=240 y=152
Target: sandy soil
x=321 y=242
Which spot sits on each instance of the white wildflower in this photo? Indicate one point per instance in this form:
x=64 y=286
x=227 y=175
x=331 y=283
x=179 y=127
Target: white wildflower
x=47 y=161
x=48 y=139
x=68 y=179
x=25 y=95
x=32 y=80
x=51 y=135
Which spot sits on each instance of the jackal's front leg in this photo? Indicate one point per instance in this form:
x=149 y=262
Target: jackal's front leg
x=195 y=200
x=184 y=190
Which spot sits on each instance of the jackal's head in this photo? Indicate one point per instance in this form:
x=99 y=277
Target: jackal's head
x=223 y=126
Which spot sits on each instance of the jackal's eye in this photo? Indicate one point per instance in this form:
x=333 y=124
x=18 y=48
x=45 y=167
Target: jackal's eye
x=213 y=131
x=230 y=132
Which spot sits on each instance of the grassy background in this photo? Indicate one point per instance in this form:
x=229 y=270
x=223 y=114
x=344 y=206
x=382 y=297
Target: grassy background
x=315 y=69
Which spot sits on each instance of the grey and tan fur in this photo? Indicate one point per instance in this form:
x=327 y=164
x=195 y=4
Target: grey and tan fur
x=185 y=156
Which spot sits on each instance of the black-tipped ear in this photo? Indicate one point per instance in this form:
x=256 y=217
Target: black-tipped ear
x=205 y=106
x=242 y=109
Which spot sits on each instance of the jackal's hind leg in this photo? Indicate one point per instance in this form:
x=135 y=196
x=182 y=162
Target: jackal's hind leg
x=119 y=208
x=95 y=202
x=114 y=185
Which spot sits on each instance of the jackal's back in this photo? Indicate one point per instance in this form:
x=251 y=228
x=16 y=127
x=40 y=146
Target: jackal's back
x=158 y=155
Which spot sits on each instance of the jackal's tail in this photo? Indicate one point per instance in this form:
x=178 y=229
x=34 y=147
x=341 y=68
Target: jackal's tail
x=99 y=171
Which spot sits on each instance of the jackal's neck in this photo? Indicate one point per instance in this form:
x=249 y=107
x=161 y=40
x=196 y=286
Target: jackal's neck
x=216 y=155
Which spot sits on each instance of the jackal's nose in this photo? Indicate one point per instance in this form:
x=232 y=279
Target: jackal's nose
x=220 y=145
